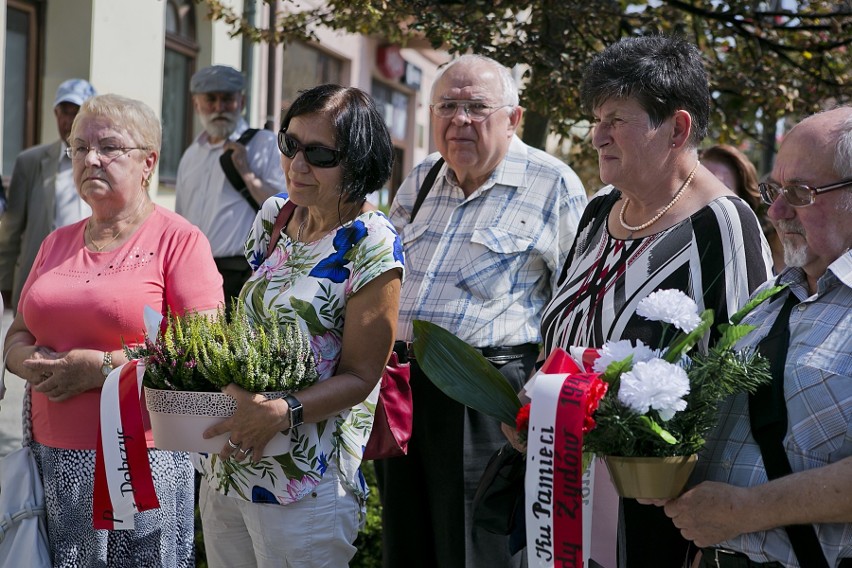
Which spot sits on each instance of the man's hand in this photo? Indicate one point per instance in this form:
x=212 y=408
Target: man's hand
x=710 y=513
x=514 y=438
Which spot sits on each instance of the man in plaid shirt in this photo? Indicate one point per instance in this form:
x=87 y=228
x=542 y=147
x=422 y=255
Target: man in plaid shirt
x=738 y=514
x=482 y=255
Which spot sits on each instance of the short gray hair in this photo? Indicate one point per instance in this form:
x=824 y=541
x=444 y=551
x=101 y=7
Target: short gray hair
x=843 y=150
x=137 y=118
x=510 y=88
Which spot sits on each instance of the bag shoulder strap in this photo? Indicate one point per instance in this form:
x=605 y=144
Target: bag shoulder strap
x=426 y=187
x=281 y=221
x=246 y=136
x=235 y=179
x=768 y=418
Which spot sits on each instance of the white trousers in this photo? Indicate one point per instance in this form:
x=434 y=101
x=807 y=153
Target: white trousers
x=315 y=532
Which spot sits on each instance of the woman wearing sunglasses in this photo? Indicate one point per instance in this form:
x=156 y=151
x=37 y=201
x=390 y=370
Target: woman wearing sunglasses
x=332 y=265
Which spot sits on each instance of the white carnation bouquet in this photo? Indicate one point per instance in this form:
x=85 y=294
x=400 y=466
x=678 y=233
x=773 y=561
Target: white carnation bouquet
x=662 y=401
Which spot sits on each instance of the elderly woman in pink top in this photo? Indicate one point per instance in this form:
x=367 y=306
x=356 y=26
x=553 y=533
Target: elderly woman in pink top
x=83 y=299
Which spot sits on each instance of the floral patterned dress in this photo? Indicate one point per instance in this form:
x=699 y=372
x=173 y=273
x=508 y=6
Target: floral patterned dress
x=310 y=283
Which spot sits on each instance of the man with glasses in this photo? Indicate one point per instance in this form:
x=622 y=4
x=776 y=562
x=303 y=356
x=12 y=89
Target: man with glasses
x=42 y=196
x=802 y=517
x=219 y=204
x=483 y=253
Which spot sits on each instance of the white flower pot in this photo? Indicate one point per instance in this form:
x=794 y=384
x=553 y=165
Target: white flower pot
x=179 y=418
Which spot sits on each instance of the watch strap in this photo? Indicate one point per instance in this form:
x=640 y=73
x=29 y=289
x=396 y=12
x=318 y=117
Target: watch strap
x=106 y=366
x=294 y=411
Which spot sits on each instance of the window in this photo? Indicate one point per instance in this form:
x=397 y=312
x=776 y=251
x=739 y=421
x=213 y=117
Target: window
x=178 y=67
x=21 y=103
x=304 y=67
x=393 y=105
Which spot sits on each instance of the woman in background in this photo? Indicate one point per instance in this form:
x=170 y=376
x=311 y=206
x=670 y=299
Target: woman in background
x=736 y=171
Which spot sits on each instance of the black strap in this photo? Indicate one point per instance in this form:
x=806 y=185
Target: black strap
x=426 y=187
x=231 y=172
x=768 y=417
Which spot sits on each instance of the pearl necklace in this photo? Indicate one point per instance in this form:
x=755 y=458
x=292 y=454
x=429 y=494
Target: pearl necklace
x=662 y=212
x=118 y=234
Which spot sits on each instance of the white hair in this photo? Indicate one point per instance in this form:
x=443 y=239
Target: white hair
x=510 y=89
x=843 y=150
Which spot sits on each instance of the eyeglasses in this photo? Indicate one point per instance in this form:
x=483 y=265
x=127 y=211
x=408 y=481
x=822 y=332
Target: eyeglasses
x=797 y=195
x=475 y=111
x=318 y=156
x=108 y=152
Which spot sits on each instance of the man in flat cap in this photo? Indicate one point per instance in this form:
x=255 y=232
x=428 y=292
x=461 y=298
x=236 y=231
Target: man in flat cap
x=41 y=196
x=221 y=196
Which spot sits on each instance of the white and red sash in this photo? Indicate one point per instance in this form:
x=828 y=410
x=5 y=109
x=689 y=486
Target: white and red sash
x=558 y=505
x=123 y=481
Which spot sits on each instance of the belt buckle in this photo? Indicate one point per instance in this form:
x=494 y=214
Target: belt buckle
x=717 y=552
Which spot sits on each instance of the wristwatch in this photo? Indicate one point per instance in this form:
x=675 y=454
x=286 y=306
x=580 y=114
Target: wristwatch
x=106 y=368
x=294 y=411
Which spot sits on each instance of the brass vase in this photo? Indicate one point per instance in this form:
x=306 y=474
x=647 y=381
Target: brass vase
x=650 y=478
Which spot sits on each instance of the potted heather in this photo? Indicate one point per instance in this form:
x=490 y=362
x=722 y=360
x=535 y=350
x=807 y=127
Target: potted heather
x=189 y=358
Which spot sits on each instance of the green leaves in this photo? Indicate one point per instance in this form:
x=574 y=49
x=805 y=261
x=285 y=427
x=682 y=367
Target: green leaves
x=463 y=374
x=683 y=342
x=655 y=428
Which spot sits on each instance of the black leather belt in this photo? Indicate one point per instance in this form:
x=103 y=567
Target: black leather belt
x=497 y=355
x=721 y=558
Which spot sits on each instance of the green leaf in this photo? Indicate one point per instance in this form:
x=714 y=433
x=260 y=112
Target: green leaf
x=754 y=302
x=307 y=312
x=731 y=334
x=684 y=342
x=463 y=374
x=657 y=429
x=615 y=369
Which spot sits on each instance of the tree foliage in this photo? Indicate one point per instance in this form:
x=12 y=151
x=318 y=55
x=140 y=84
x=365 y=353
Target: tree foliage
x=765 y=59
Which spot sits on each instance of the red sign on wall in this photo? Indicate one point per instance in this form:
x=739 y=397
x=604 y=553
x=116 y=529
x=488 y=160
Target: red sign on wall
x=390 y=62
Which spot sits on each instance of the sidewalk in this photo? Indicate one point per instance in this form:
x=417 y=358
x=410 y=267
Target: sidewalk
x=10 y=407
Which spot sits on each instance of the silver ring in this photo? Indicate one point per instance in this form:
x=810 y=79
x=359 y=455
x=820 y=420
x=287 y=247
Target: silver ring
x=246 y=452
x=233 y=445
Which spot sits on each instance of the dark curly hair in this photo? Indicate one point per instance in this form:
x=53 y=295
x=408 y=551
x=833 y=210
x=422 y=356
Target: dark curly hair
x=360 y=134
x=663 y=74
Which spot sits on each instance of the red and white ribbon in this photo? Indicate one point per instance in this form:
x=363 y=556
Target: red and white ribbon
x=558 y=491
x=124 y=484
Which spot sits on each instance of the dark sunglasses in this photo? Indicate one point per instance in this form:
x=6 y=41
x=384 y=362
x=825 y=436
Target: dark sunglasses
x=318 y=156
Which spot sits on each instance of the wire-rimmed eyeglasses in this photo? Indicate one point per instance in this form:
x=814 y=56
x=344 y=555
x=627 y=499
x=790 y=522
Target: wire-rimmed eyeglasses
x=107 y=151
x=797 y=195
x=476 y=111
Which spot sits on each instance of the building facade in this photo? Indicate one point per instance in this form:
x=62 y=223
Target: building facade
x=148 y=50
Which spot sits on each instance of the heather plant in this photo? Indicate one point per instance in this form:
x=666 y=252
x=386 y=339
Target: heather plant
x=197 y=352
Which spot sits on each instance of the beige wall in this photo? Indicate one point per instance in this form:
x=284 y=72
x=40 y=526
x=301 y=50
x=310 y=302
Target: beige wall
x=118 y=45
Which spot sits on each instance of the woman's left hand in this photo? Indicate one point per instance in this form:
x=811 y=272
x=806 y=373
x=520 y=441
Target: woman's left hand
x=61 y=376
x=253 y=424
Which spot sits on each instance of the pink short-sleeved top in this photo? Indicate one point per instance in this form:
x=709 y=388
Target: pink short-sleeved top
x=78 y=298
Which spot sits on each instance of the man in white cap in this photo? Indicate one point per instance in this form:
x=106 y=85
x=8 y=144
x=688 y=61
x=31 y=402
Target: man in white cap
x=222 y=198
x=41 y=195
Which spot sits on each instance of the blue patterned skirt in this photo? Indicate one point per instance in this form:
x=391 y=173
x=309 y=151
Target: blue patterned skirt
x=163 y=538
